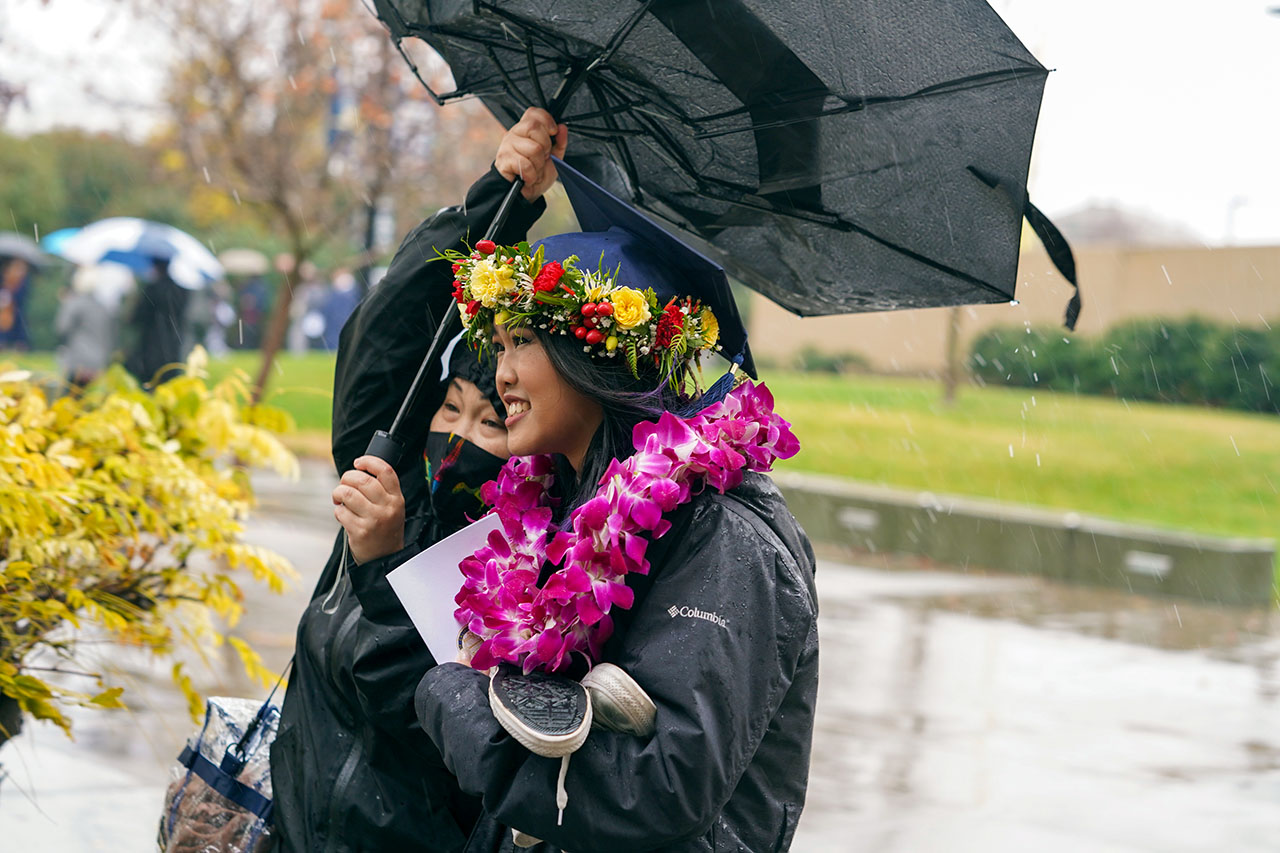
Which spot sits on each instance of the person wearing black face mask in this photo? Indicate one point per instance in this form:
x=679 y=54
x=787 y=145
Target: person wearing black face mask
x=467 y=443
x=351 y=768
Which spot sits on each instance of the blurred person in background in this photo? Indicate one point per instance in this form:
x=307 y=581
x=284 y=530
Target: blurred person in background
x=245 y=330
x=222 y=318
x=86 y=324
x=15 y=285
x=338 y=305
x=306 y=319
x=157 y=323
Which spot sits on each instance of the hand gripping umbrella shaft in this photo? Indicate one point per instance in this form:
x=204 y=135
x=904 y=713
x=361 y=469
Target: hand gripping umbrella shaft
x=388 y=445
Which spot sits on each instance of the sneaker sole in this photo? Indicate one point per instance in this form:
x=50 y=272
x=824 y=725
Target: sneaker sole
x=540 y=743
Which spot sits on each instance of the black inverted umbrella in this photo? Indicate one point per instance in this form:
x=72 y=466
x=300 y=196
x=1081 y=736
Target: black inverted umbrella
x=835 y=155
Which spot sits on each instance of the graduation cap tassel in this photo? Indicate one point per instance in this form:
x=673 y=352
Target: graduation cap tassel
x=716 y=392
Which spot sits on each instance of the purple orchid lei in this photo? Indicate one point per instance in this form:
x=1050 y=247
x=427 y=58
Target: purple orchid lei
x=676 y=458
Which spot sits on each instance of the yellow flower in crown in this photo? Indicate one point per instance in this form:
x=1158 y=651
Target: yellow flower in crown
x=710 y=327
x=489 y=283
x=630 y=307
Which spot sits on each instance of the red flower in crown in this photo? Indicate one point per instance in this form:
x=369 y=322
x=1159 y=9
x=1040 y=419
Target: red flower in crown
x=548 y=277
x=669 y=325
x=458 y=295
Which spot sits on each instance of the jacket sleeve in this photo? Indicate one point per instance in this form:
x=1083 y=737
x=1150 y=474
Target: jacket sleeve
x=387 y=336
x=715 y=643
x=386 y=654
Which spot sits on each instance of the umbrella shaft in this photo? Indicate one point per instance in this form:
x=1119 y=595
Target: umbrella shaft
x=388 y=445
x=504 y=209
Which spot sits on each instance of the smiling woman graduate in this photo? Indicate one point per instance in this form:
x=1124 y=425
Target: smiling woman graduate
x=638 y=531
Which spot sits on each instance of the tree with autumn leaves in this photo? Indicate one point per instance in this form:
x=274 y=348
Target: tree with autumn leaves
x=302 y=115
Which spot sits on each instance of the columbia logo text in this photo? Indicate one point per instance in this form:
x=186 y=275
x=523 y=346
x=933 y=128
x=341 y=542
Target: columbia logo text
x=695 y=613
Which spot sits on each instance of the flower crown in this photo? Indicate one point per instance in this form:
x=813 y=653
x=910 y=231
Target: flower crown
x=509 y=285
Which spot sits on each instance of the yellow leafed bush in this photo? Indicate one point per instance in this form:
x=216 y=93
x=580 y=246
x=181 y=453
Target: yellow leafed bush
x=121 y=512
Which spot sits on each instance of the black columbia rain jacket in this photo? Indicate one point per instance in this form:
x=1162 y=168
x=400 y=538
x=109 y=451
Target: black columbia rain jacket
x=723 y=636
x=351 y=769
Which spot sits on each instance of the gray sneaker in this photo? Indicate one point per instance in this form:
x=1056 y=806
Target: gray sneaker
x=617 y=702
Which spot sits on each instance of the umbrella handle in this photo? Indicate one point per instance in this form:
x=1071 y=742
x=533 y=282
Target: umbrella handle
x=386 y=447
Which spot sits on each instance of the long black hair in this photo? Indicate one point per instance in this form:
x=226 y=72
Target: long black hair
x=625 y=400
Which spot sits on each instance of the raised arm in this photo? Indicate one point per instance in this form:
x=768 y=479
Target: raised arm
x=386 y=338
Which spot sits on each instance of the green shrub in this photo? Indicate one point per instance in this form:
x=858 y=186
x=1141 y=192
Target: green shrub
x=1191 y=361
x=810 y=359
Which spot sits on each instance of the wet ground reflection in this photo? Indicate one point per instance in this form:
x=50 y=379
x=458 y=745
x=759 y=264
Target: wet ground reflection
x=967 y=713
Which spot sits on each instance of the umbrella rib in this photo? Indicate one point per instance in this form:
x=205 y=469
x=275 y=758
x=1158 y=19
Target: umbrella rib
x=667 y=148
x=606 y=112
x=439 y=99
x=752 y=202
x=756 y=203
x=533 y=74
x=976 y=81
x=512 y=88
x=463 y=40
x=598 y=132
x=624 y=153
x=616 y=40
x=622 y=86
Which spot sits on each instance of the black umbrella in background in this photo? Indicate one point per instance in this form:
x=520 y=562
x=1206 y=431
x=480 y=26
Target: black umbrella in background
x=837 y=156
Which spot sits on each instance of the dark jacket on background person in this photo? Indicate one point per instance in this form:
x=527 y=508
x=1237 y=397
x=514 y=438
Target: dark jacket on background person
x=351 y=769
x=157 y=323
x=723 y=637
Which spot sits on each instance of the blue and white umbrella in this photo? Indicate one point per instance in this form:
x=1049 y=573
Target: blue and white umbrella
x=137 y=242
x=55 y=240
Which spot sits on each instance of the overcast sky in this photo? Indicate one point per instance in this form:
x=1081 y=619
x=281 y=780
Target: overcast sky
x=1168 y=106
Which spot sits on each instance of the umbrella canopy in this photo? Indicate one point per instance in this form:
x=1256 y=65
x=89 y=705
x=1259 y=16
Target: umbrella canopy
x=14 y=245
x=55 y=240
x=244 y=262
x=137 y=242
x=836 y=156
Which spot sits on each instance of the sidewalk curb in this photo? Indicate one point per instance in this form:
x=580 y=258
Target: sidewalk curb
x=1011 y=538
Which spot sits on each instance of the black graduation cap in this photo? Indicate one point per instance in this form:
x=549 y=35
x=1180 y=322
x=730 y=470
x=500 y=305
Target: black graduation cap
x=616 y=235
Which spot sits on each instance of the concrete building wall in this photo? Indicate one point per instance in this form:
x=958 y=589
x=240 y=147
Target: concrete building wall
x=1232 y=285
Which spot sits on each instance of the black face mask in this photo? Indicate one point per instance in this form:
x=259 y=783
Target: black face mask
x=456 y=469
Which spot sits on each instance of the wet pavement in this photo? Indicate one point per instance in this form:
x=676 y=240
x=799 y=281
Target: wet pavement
x=956 y=712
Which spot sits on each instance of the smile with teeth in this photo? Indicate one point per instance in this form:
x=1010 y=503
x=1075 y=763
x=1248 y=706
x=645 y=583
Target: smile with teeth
x=517 y=407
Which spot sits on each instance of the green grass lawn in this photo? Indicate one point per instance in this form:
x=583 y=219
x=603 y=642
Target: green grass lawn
x=302 y=385
x=1180 y=467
